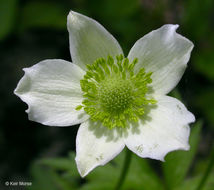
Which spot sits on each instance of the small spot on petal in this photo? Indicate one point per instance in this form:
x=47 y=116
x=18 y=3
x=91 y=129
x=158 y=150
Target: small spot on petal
x=139 y=148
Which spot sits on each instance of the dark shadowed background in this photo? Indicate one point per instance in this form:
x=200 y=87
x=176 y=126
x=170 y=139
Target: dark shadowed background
x=34 y=30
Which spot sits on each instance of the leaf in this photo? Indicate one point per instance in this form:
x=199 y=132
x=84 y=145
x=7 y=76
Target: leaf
x=140 y=175
x=177 y=163
x=97 y=186
x=204 y=102
x=197 y=14
x=192 y=183
x=176 y=94
x=42 y=178
x=43 y=14
x=59 y=164
x=54 y=174
x=203 y=62
x=7 y=16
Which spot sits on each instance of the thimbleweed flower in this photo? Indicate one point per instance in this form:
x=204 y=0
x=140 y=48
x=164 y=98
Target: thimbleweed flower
x=118 y=101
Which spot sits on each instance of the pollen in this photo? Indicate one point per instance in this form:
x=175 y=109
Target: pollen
x=113 y=93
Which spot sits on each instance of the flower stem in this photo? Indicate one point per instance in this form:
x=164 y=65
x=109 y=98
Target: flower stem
x=124 y=169
x=207 y=171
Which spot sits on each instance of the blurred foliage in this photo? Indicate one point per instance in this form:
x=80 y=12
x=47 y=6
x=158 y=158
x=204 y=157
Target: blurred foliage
x=8 y=10
x=35 y=15
x=61 y=173
x=204 y=101
x=181 y=158
x=34 y=30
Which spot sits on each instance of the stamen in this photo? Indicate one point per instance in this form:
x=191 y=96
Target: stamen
x=112 y=93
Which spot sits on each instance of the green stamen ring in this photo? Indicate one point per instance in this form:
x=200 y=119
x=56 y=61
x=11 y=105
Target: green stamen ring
x=112 y=93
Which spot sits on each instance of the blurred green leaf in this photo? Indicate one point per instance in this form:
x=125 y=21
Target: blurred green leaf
x=192 y=183
x=176 y=94
x=177 y=163
x=197 y=17
x=54 y=174
x=204 y=101
x=42 y=178
x=63 y=174
x=43 y=14
x=105 y=176
x=60 y=164
x=140 y=175
x=48 y=179
x=7 y=16
x=204 y=63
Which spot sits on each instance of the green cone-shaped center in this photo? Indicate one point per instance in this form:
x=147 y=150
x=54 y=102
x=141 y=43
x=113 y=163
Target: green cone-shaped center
x=113 y=93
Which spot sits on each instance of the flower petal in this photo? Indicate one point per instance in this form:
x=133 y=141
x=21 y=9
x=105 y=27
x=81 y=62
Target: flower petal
x=164 y=129
x=52 y=90
x=89 y=40
x=165 y=53
x=96 y=145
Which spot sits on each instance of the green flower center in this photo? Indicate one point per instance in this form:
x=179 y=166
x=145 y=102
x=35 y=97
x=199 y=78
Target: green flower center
x=113 y=93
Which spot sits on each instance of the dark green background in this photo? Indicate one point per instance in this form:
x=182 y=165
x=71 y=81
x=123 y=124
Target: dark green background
x=31 y=31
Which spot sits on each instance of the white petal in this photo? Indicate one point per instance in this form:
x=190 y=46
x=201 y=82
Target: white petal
x=165 y=53
x=164 y=129
x=52 y=90
x=96 y=145
x=89 y=40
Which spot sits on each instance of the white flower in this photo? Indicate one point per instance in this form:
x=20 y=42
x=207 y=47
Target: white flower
x=118 y=101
